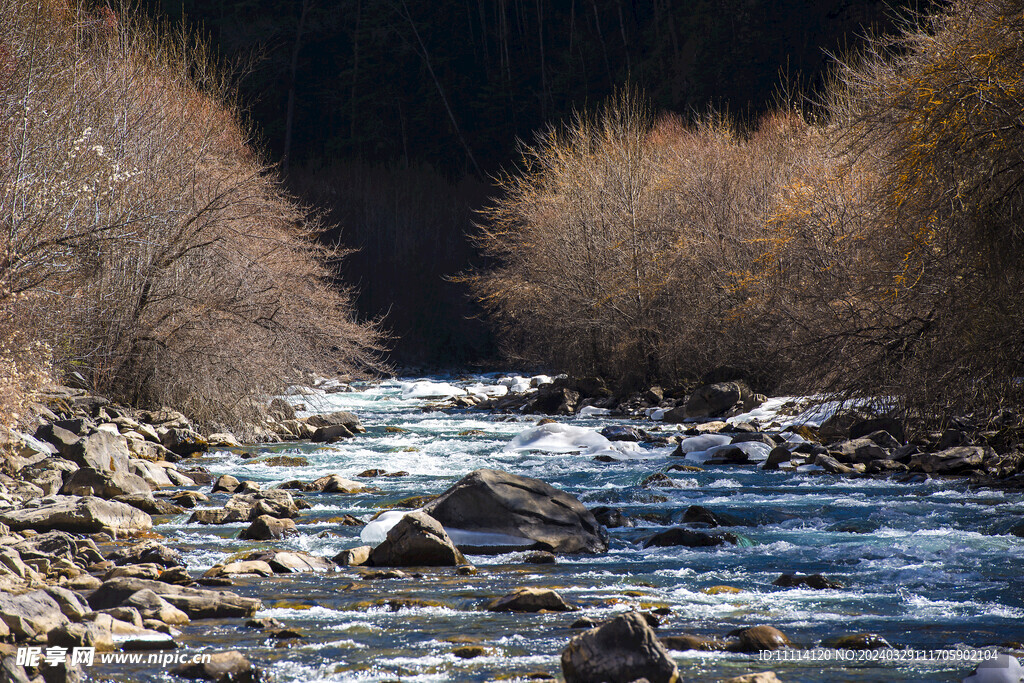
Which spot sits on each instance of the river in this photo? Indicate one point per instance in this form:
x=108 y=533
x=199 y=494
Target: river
x=923 y=564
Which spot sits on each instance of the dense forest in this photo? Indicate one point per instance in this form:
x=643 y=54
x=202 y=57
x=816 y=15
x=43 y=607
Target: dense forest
x=394 y=116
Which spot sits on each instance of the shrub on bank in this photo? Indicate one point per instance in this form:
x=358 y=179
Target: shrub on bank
x=145 y=240
x=877 y=252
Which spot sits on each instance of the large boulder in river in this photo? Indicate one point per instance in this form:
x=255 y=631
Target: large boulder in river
x=495 y=502
x=622 y=650
x=79 y=515
x=417 y=540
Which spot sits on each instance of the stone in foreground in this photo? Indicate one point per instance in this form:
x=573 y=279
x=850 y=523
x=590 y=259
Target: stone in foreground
x=418 y=540
x=620 y=651
x=496 y=502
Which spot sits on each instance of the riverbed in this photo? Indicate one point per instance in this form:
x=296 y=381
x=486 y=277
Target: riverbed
x=927 y=565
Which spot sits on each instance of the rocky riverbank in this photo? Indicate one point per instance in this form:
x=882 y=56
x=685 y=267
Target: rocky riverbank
x=852 y=439
x=82 y=497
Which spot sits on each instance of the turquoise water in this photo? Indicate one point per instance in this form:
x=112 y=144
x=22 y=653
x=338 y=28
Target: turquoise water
x=923 y=564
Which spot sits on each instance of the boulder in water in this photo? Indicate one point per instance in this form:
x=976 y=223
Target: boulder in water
x=689 y=538
x=417 y=540
x=495 y=502
x=758 y=638
x=620 y=651
x=530 y=600
x=267 y=528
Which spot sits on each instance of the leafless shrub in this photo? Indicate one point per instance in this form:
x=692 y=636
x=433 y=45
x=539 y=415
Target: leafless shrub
x=621 y=242
x=910 y=236
x=146 y=242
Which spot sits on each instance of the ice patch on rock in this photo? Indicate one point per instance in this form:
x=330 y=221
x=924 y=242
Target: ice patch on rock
x=376 y=531
x=559 y=438
x=426 y=389
x=517 y=385
x=591 y=411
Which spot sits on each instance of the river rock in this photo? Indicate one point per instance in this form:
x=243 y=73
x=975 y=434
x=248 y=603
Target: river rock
x=861 y=450
x=698 y=514
x=688 y=642
x=492 y=501
x=831 y=465
x=689 y=538
x=89 y=482
x=182 y=441
x=553 y=400
x=815 y=581
x=530 y=600
x=58 y=546
x=31 y=615
x=715 y=400
x=256 y=567
x=154 y=474
x=292 y=561
x=331 y=434
x=757 y=638
x=152 y=606
x=267 y=528
x=225 y=482
x=80 y=515
x=12 y=564
x=761 y=677
x=189 y=499
x=624 y=433
x=223 y=516
x=63 y=435
x=620 y=651
x=280 y=410
x=335 y=483
x=72 y=605
x=197 y=603
x=341 y=417
x=611 y=518
x=102 y=451
x=146 y=552
x=779 y=455
x=859 y=641
x=658 y=480
x=49 y=480
x=274 y=502
x=149 y=504
x=353 y=557
x=223 y=667
x=418 y=540
x=957 y=460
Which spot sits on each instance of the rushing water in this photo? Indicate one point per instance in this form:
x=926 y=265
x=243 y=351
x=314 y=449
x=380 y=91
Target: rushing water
x=923 y=564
